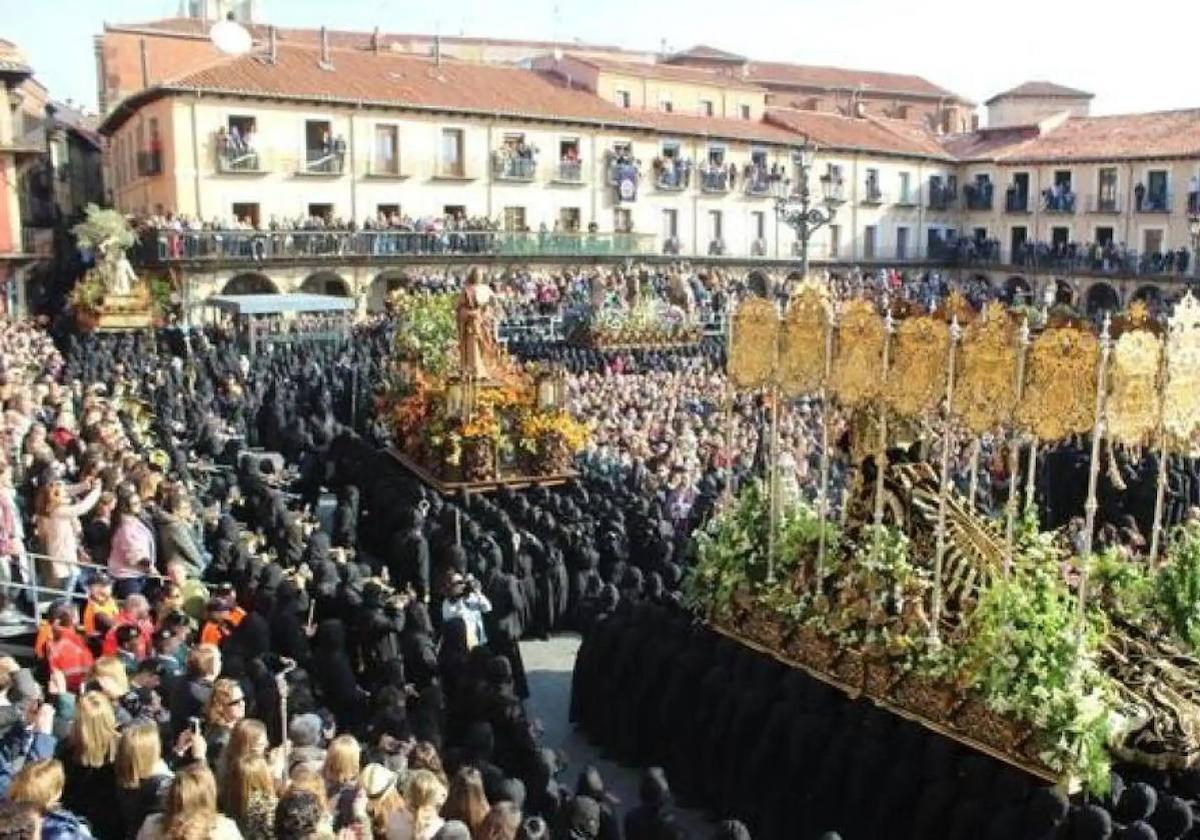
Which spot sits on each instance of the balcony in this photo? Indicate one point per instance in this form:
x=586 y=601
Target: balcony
x=569 y=172
x=232 y=161
x=675 y=178
x=1104 y=204
x=506 y=168
x=872 y=194
x=908 y=198
x=149 y=163
x=941 y=198
x=1158 y=201
x=1016 y=202
x=714 y=180
x=757 y=181
x=323 y=162
x=265 y=245
x=1058 y=203
x=977 y=197
x=834 y=189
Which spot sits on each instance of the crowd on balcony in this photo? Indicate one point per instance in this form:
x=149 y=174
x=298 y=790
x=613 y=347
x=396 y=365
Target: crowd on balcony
x=1107 y=257
x=672 y=171
x=1058 y=199
x=237 y=148
x=515 y=159
x=1156 y=200
x=978 y=195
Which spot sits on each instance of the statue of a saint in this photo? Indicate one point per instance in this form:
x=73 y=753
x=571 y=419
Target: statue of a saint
x=117 y=274
x=476 y=330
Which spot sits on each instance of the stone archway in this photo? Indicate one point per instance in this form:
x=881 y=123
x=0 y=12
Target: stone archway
x=1017 y=290
x=762 y=284
x=1149 y=293
x=1101 y=297
x=1064 y=292
x=325 y=283
x=250 y=283
x=382 y=286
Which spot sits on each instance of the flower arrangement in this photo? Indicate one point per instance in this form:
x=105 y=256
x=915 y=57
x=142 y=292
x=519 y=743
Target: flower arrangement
x=427 y=331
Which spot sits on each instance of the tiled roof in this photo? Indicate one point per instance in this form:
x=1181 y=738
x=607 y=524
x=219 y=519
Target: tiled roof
x=706 y=53
x=667 y=72
x=1160 y=134
x=853 y=134
x=803 y=75
x=726 y=129
x=351 y=39
x=1040 y=90
x=402 y=80
x=986 y=144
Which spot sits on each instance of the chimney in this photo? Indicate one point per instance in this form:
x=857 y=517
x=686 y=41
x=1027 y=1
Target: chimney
x=272 y=44
x=437 y=50
x=145 y=64
x=325 y=63
x=375 y=41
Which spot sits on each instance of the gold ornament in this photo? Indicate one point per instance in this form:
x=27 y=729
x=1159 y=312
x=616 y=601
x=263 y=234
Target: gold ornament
x=858 y=373
x=1060 y=390
x=920 y=356
x=755 y=330
x=1132 y=407
x=985 y=393
x=1181 y=397
x=802 y=343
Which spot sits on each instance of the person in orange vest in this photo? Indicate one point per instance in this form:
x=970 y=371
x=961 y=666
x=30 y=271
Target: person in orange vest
x=100 y=611
x=135 y=610
x=66 y=651
x=222 y=616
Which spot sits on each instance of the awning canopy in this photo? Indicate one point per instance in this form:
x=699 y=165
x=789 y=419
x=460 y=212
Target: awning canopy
x=279 y=304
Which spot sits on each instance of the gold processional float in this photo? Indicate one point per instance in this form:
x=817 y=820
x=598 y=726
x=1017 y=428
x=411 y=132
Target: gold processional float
x=996 y=635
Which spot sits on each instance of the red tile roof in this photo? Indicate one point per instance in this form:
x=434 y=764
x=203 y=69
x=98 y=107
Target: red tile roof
x=825 y=78
x=726 y=129
x=859 y=134
x=403 y=81
x=668 y=72
x=987 y=144
x=1041 y=90
x=1154 y=135
x=706 y=53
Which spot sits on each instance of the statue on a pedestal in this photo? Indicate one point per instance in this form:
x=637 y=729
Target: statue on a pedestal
x=476 y=328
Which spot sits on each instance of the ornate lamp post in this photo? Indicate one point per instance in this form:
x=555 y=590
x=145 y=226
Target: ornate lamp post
x=1194 y=232
x=796 y=208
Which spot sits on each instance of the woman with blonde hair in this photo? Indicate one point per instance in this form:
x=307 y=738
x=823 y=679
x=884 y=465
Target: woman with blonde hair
x=385 y=805
x=57 y=527
x=342 y=762
x=90 y=763
x=40 y=784
x=425 y=795
x=305 y=779
x=142 y=775
x=248 y=739
x=466 y=800
x=226 y=708
x=191 y=810
x=250 y=796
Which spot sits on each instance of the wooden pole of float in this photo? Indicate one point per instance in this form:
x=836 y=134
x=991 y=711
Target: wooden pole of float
x=881 y=448
x=1030 y=477
x=1014 y=450
x=823 y=492
x=1089 y=506
x=944 y=488
x=973 y=483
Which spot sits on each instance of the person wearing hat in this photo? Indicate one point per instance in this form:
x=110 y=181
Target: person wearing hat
x=385 y=805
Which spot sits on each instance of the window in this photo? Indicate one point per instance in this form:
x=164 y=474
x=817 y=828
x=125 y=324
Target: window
x=1106 y=194
x=452 y=152
x=1156 y=190
x=670 y=222
x=570 y=167
x=320 y=211
x=387 y=210
x=385 y=156
x=758 y=157
x=670 y=150
x=835 y=241
x=318 y=136
x=1104 y=235
x=1153 y=240
x=1062 y=178
x=247 y=213
x=242 y=127
x=665 y=105
x=758 y=224
x=716 y=155
x=902 y=243
x=706 y=107
x=1060 y=235
x=869 y=242
x=624 y=100
x=714 y=225
x=568 y=219
x=905 y=197
x=568 y=149
x=454 y=211
x=623 y=220
x=744 y=110
x=514 y=219
x=1017 y=239
x=872 y=185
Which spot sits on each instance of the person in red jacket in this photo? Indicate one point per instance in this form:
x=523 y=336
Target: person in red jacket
x=64 y=649
x=135 y=610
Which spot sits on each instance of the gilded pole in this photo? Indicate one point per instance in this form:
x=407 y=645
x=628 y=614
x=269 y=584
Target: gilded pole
x=826 y=411
x=1031 y=473
x=1089 y=506
x=973 y=483
x=1160 y=487
x=1014 y=448
x=944 y=488
x=881 y=449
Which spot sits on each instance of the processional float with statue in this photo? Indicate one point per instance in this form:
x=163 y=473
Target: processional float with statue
x=1026 y=645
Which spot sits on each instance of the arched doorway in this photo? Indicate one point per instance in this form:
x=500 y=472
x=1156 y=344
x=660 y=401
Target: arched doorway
x=1017 y=290
x=1064 y=293
x=382 y=287
x=761 y=284
x=1102 y=297
x=325 y=283
x=250 y=283
x=1152 y=295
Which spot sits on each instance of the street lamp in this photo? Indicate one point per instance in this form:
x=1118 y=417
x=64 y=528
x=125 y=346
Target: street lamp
x=796 y=209
x=1194 y=232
